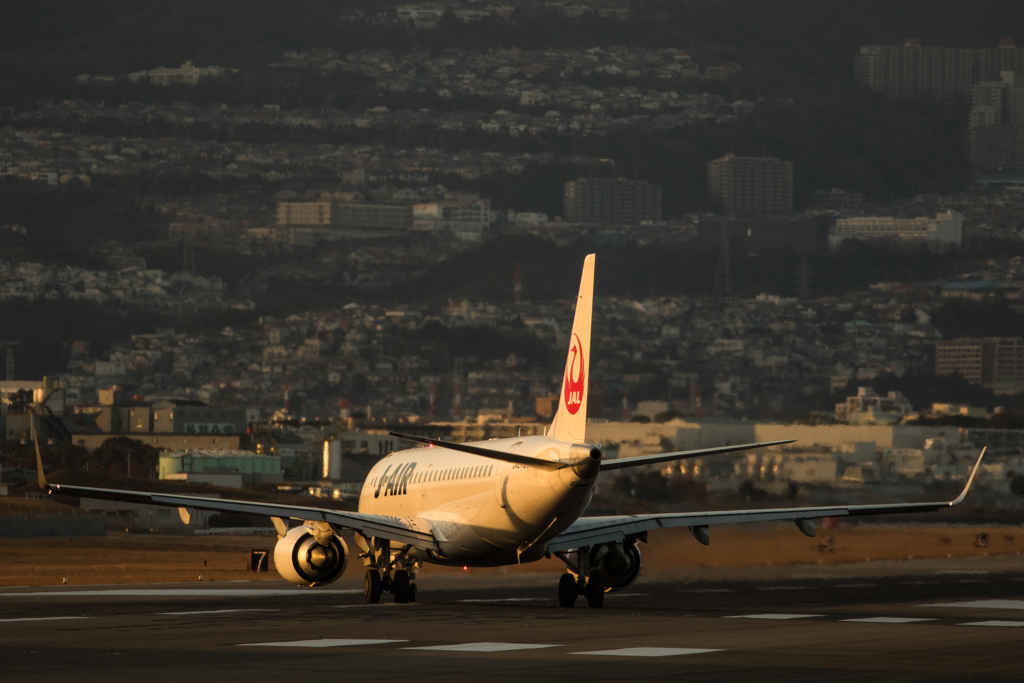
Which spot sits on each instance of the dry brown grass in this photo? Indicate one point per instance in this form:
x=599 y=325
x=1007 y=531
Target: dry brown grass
x=141 y=558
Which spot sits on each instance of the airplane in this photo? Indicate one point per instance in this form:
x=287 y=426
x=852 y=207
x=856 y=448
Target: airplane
x=492 y=503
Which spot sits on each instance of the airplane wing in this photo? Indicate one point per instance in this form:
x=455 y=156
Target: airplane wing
x=636 y=461
x=588 y=531
x=410 y=531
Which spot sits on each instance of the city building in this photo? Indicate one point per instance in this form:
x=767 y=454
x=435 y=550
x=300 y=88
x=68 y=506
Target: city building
x=995 y=137
x=937 y=73
x=186 y=74
x=457 y=214
x=196 y=417
x=751 y=185
x=983 y=360
x=835 y=201
x=372 y=216
x=869 y=407
x=232 y=468
x=613 y=202
x=943 y=231
x=346 y=216
x=420 y=16
x=305 y=213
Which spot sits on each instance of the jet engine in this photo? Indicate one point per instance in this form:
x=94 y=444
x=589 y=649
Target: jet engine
x=299 y=558
x=618 y=563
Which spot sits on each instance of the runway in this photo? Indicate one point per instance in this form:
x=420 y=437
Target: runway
x=959 y=624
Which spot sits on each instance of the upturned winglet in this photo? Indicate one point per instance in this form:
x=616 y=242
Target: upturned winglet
x=39 y=457
x=963 y=494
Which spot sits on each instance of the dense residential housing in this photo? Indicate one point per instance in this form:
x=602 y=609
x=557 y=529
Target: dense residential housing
x=751 y=185
x=621 y=201
x=943 y=231
x=937 y=73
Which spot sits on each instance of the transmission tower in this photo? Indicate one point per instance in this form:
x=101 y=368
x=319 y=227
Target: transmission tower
x=723 y=275
x=186 y=289
x=804 y=281
x=188 y=265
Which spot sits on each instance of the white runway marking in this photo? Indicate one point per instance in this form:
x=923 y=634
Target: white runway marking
x=182 y=593
x=888 y=620
x=486 y=600
x=1018 y=624
x=984 y=604
x=648 y=652
x=211 y=611
x=484 y=647
x=323 y=642
x=5 y=621
x=780 y=617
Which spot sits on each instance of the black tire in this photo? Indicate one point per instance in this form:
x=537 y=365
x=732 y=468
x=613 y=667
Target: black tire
x=567 y=590
x=371 y=586
x=400 y=586
x=413 y=591
x=595 y=590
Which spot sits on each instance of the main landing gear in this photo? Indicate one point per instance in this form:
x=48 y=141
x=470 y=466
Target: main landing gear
x=379 y=578
x=399 y=585
x=583 y=581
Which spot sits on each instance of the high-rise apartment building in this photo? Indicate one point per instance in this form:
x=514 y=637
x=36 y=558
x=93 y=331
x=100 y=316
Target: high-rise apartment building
x=981 y=360
x=618 y=202
x=937 y=73
x=751 y=185
x=995 y=137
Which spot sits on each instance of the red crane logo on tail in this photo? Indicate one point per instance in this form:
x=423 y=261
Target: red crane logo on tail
x=574 y=387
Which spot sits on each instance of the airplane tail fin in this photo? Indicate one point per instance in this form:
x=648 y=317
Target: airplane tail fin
x=570 y=423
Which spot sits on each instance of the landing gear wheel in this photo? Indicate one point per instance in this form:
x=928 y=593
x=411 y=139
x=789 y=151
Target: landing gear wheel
x=400 y=586
x=371 y=586
x=595 y=590
x=412 y=592
x=567 y=590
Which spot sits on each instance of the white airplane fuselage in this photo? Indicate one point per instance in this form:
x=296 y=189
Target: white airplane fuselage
x=483 y=511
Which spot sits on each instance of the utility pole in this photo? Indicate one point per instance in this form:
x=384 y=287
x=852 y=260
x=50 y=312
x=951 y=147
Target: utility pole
x=10 y=357
x=188 y=270
x=804 y=275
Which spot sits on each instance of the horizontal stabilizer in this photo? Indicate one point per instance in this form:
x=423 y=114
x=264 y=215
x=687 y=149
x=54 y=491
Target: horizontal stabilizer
x=622 y=463
x=484 y=452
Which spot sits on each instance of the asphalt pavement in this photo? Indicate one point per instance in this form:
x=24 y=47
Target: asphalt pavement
x=798 y=625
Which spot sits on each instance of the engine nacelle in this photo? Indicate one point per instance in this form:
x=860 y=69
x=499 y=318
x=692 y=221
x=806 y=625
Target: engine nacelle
x=619 y=566
x=301 y=560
